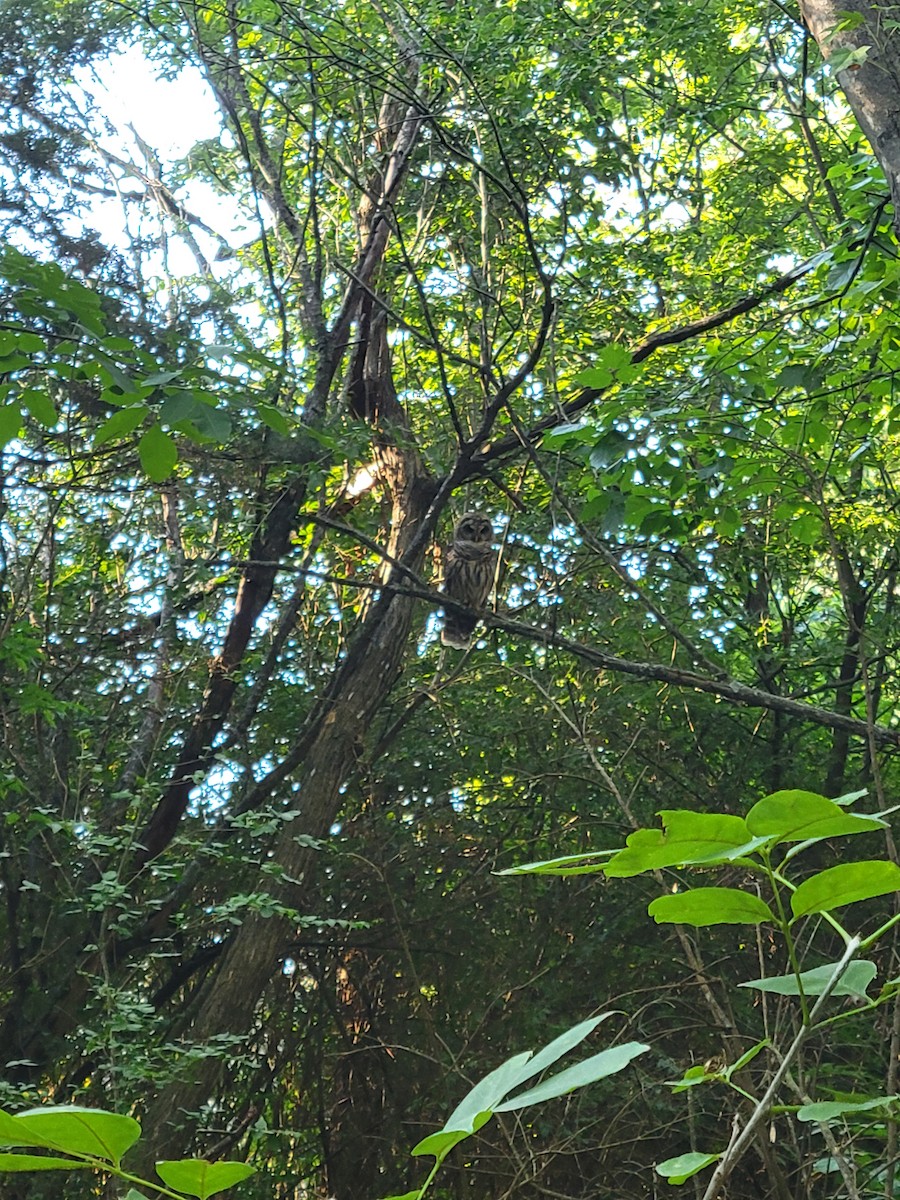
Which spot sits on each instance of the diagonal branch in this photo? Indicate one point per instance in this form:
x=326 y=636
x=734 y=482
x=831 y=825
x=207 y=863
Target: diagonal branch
x=655 y=341
x=724 y=687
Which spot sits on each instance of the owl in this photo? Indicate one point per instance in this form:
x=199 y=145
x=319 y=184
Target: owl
x=468 y=575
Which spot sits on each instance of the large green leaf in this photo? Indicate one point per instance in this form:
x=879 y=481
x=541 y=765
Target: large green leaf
x=797 y=816
x=78 y=1130
x=158 y=454
x=38 y=1162
x=196 y=415
x=39 y=406
x=829 y=1110
x=845 y=884
x=710 y=906
x=210 y=420
x=16 y=340
x=854 y=981
x=686 y=838
x=440 y=1144
x=568 y=864
x=14 y=1131
x=677 y=1170
x=122 y=422
x=486 y=1094
x=598 y=1066
x=478 y=1105
x=197 y=1177
x=10 y=423
x=113 y=372
x=274 y=419
x=558 y=1047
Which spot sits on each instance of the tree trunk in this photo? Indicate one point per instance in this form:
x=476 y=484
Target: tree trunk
x=872 y=87
x=343 y=716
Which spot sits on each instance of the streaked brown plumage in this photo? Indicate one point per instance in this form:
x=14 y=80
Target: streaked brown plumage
x=468 y=575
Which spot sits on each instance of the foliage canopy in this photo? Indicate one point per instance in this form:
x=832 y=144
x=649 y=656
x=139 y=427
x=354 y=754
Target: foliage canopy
x=624 y=280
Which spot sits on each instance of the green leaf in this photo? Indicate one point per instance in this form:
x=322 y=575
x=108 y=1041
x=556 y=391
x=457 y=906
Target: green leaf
x=40 y=406
x=77 y=1130
x=486 y=1094
x=598 y=1066
x=213 y=423
x=440 y=1144
x=557 y=1048
x=849 y=20
x=796 y=816
x=710 y=906
x=277 y=422
x=611 y=363
x=845 y=58
x=38 y=1162
x=479 y=1104
x=711 y=1072
x=158 y=454
x=158 y=378
x=827 y=1110
x=686 y=838
x=119 y=399
x=747 y=1057
x=178 y=406
x=15 y=1132
x=206 y=415
x=793 y=375
x=195 y=415
x=115 y=374
x=807 y=529
x=594 y=378
x=677 y=1170
x=406 y=1195
x=692 y=1077
x=845 y=884
x=615 y=356
x=569 y=864
x=20 y=341
x=854 y=981
x=121 y=423
x=10 y=423
x=851 y=797
x=197 y=1177
x=569 y=431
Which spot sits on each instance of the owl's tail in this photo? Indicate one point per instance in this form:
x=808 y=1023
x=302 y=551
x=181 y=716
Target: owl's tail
x=458 y=630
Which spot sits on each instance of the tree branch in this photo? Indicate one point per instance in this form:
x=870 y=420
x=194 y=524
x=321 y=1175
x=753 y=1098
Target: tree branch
x=653 y=342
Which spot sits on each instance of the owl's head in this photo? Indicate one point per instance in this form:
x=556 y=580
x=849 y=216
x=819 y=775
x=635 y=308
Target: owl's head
x=473 y=527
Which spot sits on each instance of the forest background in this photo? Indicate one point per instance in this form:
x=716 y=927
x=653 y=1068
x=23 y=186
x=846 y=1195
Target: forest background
x=624 y=278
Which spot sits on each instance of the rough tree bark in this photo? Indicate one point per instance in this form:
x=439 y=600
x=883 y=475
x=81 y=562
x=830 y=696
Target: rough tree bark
x=872 y=87
x=344 y=713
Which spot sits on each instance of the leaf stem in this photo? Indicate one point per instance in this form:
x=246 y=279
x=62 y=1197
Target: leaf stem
x=741 y=1138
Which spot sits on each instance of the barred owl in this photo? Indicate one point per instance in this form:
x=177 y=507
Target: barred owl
x=468 y=575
